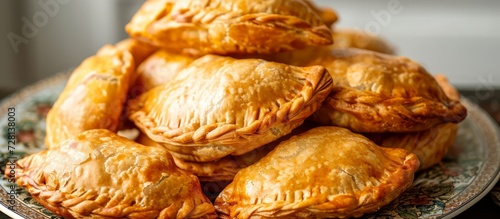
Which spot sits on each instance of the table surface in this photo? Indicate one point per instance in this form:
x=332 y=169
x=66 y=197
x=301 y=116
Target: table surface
x=489 y=100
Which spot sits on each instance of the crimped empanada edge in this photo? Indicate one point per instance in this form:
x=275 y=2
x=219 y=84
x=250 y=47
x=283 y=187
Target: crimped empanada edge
x=317 y=85
x=393 y=185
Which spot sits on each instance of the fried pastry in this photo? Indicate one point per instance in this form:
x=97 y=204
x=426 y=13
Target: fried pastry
x=139 y=50
x=374 y=92
x=324 y=172
x=223 y=169
x=98 y=174
x=221 y=106
x=352 y=38
x=93 y=97
x=228 y=26
x=328 y=15
x=430 y=145
x=159 y=68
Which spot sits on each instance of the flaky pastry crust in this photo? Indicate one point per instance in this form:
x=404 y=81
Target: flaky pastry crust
x=325 y=172
x=430 y=145
x=328 y=15
x=228 y=26
x=140 y=51
x=94 y=96
x=223 y=169
x=356 y=38
x=159 y=68
x=98 y=174
x=219 y=106
x=374 y=92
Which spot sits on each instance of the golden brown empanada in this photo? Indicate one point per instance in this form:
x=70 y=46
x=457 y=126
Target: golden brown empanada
x=159 y=68
x=139 y=50
x=374 y=92
x=98 y=174
x=228 y=26
x=219 y=106
x=93 y=97
x=324 y=172
x=430 y=145
x=353 y=38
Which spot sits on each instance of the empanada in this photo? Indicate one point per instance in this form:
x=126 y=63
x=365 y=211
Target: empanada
x=374 y=92
x=353 y=38
x=228 y=26
x=159 y=68
x=219 y=106
x=430 y=145
x=324 y=172
x=93 y=97
x=98 y=174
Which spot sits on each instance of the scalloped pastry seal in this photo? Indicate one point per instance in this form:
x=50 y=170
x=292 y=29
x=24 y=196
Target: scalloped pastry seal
x=229 y=26
x=430 y=145
x=326 y=172
x=98 y=174
x=374 y=92
x=221 y=106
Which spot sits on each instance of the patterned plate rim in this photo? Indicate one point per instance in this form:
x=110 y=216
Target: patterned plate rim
x=490 y=172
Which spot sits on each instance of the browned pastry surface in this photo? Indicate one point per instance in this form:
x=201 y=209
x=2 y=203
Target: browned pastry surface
x=93 y=97
x=225 y=168
x=139 y=50
x=356 y=38
x=325 y=172
x=450 y=91
x=374 y=92
x=98 y=174
x=228 y=26
x=430 y=145
x=159 y=68
x=328 y=15
x=219 y=106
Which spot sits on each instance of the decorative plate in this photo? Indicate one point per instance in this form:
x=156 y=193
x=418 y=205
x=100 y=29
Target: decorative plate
x=468 y=173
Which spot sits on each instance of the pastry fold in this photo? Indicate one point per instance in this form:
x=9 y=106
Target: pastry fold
x=326 y=172
x=430 y=145
x=98 y=174
x=228 y=26
x=374 y=92
x=219 y=106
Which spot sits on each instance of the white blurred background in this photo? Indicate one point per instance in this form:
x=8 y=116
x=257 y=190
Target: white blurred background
x=456 y=37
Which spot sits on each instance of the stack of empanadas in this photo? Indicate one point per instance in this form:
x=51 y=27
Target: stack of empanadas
x=252 y=93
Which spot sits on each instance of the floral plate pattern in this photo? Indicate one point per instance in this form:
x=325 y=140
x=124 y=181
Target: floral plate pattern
x=467 y=173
